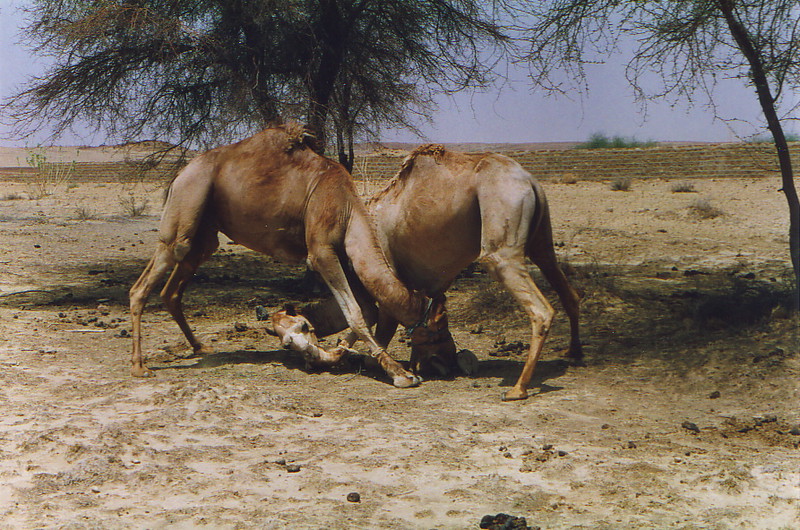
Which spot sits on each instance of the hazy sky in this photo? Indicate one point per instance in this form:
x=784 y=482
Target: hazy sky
x=508 y=113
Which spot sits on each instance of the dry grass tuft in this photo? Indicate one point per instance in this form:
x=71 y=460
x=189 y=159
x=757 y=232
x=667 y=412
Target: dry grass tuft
x=683 y=187
x=132 y=206
x=621 y=184
x=568 y=178
x=703 y=209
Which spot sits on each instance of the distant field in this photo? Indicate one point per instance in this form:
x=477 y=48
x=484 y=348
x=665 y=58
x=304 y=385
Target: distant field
x=546 y=161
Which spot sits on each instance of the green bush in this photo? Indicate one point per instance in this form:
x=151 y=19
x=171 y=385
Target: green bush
x=601 y=141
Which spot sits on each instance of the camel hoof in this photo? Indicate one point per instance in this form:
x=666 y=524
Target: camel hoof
x=515 y=395
x=406 y=381
x=141 y=371
x=203 y=350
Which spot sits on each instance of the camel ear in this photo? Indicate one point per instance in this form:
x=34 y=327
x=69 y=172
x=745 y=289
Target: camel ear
x=438 y=310
x=290 y=309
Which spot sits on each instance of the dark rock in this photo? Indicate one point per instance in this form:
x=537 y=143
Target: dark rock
x=262 y=313
x=503 y=521
x=714 y=395
x=240 y=327
x=795 y=431
x=292 y=468
x=353 y=496
x=689 y=426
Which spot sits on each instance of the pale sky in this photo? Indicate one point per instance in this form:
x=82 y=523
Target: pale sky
x=509 y=113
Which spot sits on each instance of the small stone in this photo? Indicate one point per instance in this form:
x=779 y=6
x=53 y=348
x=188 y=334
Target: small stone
x=547 y=447
x=353 y=496
x=561 y=453
x=795 y=431
x=240 y=327
x=689 y=426
x=95 y=489
x=714 y=395
x=605 y=426
x=293 y=468
x=631 y=444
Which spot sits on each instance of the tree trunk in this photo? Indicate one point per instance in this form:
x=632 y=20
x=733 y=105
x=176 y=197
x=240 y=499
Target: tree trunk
x=745 y=44
x=331 y=33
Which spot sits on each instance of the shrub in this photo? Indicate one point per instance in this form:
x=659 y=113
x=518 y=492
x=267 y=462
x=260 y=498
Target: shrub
x=13 y=196
x=132 y=206
x=683 y=187
x=703 y=209
x=601 y=141
x=569 y=178
x=83 y=213
x=621 y=184
x=48 y=176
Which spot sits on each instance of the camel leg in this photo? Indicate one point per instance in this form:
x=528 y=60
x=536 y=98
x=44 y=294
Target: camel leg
x=325 y=261
x=172 y=293
x=508 y=266
x=569 y=298
x=159 y=264
x=385 y=329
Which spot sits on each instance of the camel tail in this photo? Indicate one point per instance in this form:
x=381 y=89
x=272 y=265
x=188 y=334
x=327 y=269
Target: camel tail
x=540 y=233
x=185 y=205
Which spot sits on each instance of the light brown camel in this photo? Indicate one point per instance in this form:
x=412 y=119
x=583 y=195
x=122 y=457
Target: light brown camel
x=445 y=210
x=273 y=194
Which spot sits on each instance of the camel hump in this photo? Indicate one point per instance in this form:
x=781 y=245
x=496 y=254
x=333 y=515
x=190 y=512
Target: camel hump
x=297 y=136
x=436 y=151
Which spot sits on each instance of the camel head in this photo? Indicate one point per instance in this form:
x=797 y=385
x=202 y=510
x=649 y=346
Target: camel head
x=294 y=330
x=432 y=347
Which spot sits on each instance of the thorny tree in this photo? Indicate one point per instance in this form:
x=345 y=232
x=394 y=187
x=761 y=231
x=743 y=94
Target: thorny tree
x=691 y=43
x=199 y=72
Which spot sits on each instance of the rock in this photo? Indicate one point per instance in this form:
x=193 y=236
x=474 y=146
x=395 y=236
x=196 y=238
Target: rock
x=353 y=496
x=689 y=426
x=503 y=521
x=240 y=327
x=262 y=313
x=467 y=362
x=292 y=468
x=795 y=431
x=714 y=395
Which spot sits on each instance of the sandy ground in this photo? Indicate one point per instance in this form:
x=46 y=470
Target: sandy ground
x=682 y=418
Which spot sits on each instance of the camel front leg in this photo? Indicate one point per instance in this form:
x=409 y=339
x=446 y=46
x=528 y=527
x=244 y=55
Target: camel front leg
x=509 y=268
x=326 y=262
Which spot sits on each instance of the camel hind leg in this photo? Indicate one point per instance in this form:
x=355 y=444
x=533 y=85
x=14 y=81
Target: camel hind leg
x=159 y=264
x=541 y=251
x=508 y=266
x=203 y=246
x=507 y=206
x=182 y=217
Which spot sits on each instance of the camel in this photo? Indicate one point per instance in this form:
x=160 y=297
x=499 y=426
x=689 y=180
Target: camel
x=444 y=210
x=273 y=194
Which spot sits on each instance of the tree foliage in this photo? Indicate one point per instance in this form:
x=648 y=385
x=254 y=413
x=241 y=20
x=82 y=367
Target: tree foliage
x=691 y=44
x=202 y=71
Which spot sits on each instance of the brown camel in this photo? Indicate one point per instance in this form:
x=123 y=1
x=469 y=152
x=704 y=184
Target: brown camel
x=445 y=210
x=273 y=194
